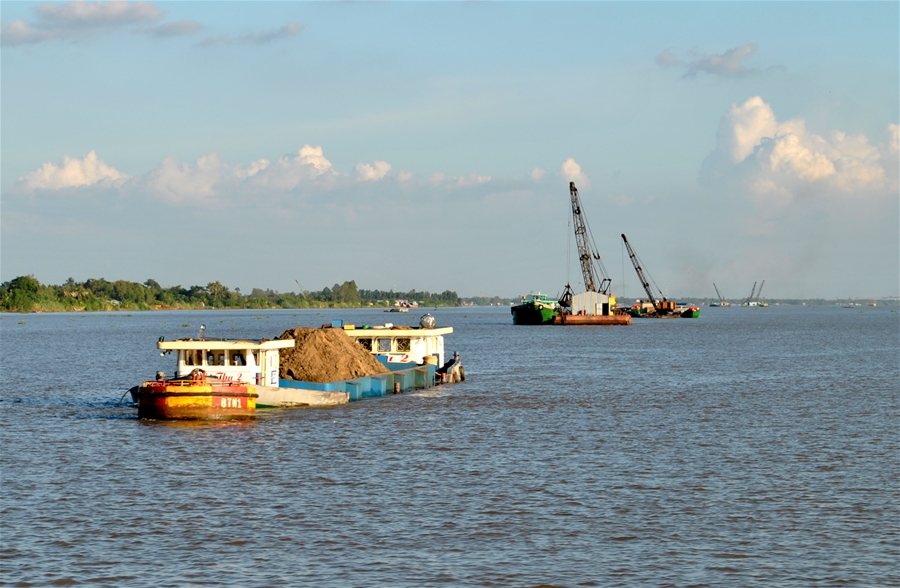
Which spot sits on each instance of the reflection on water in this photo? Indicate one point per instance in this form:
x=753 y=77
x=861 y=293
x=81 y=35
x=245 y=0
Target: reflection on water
x=747 y=447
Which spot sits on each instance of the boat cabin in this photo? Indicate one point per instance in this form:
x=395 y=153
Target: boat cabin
x=402 y=344
x=593 y=304
x=245 y=360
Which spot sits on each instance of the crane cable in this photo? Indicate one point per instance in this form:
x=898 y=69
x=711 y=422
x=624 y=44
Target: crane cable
x=647 y=273
x=595 y=252
x=568 y=242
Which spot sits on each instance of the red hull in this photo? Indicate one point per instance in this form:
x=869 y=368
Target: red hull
x=195 y=400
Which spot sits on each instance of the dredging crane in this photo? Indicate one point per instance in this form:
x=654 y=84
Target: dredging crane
x=722 y=301
x=595 y=277
x=750 y=298
x=661 y=304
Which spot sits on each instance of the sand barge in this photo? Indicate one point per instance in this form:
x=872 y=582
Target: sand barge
x=325 y=355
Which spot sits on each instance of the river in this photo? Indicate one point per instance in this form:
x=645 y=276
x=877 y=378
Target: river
x=751 y=446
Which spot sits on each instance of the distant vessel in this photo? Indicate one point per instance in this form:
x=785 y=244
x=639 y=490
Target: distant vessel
x=535 y=309
x=754 y=298
x=722 y=302
x=654 y=306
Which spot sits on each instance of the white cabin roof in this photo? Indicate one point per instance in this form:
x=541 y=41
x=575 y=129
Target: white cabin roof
x=401 y=332
x=206 y=344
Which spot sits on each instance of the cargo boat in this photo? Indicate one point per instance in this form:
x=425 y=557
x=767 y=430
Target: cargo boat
x=226 y=364
x=535 y=309
x=229 y=379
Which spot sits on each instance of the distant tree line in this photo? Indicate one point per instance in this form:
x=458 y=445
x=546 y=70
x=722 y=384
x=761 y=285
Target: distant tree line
x=26 y=294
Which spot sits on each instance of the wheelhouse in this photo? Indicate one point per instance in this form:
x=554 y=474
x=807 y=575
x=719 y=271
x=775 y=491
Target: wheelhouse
x=253 y=361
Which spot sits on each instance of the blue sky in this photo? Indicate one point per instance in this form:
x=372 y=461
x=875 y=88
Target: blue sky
x=430 y=145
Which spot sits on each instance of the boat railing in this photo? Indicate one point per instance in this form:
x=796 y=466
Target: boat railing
x=190 y=382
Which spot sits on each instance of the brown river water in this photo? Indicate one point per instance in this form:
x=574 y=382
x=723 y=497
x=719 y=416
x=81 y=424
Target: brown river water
x=749 y=447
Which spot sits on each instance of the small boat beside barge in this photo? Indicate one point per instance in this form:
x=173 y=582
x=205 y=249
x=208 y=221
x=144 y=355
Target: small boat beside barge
x=196 y=397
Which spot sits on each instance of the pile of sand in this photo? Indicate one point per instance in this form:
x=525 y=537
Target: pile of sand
x=325 y=355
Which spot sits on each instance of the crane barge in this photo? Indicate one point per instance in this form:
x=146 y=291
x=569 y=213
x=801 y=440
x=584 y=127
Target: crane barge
x=722 y=302
x=657 y=306
x=754 y=298
x=594 y=306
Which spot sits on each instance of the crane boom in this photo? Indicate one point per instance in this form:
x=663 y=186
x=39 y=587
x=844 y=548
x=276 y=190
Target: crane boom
x=586 y=253
x=752 y=292
x=636 y=262
x=717 y=293
x=759 y=293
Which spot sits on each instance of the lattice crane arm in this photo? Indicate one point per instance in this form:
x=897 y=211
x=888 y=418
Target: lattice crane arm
x=640 y=272
x=586 y=253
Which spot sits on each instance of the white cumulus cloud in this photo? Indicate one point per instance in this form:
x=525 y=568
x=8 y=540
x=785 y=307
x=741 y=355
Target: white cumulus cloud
x=209 y=181
x=571 y=171
x=372 y=173
x=893 y=132
x=72 y=173
x=243 y=172
x=744 y=127
x=777 y=160
x=443 y=180
x=536 y=174
x=289 y=171
x=183 y=183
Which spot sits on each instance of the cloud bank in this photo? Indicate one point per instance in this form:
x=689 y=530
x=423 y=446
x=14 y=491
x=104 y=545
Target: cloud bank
x=209 y=181
x=79 y=19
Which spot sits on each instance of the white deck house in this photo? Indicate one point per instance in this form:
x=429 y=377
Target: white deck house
x=254 y=362
x=402 y=344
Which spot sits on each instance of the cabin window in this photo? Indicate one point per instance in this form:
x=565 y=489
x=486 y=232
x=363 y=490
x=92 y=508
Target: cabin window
x=221 y=359
x=210 y=359
x=237 y=358
x=384 y=345
x=366 y=343
x=254 y=357
x=403 y=344
x=188 y=358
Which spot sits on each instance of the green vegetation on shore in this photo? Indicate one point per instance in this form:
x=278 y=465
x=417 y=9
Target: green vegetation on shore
x=26 y=294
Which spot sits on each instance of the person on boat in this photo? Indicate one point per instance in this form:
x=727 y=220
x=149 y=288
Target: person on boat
x=453 y=371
